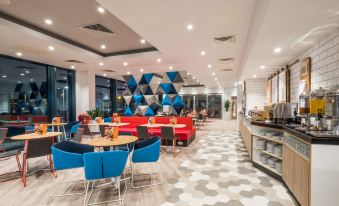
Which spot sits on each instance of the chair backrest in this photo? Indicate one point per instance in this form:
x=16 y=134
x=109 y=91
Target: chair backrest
x=87 y=131
x=78 y=135
x=200 y=116
x=167 y=133
x=3 y=133
x=74 y=128
x=142 y=132
x=147 y=150
x=39 y=147
x=68 y=154
x=102 y=129
x=99 y=165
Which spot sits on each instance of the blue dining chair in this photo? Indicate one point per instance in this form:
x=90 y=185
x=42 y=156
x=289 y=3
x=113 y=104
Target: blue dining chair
x=146 y=151
x=104 y=165
x=108 y=119
x=73 y=130
x=69 y=155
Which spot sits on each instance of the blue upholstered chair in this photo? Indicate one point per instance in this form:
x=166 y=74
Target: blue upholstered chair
x=108 y=119
x=146 y=151
x=73 y=130
x=104 y=165
x=69 y=155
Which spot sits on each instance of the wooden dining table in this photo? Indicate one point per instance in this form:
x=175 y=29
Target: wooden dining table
x=30 y=136
x=100 y=142
x=110 y=124
x=60 y=128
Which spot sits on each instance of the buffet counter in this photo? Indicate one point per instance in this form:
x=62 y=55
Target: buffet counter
x=305 y=163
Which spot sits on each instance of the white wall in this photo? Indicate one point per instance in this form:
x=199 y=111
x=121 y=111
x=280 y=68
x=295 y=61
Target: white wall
x=85 y=91
x=325 y=65
x=255 y=93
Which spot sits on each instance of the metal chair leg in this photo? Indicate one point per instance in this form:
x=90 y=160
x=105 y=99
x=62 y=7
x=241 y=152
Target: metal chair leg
x=151 y=179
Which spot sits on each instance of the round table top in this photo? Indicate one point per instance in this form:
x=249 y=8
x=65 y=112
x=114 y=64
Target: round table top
x=55 y=124
x=152 y=125
x=110 y=124
x=175 y=125
x=35 y=136
x=104 y=142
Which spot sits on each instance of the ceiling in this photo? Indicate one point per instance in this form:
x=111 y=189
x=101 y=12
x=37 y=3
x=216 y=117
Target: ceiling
x=68 y=19
x=258 y=26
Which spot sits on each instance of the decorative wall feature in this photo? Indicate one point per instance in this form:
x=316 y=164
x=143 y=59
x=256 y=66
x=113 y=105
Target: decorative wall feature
x=142 y=93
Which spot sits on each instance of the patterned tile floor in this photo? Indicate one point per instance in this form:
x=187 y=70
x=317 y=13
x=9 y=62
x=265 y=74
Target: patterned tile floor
x=220 y=173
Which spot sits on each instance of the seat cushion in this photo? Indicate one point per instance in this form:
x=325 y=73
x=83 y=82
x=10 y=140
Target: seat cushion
x=7 y=146
x=10 y=153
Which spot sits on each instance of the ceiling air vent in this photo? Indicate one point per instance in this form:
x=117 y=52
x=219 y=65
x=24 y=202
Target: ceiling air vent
x=226 y=61
x=224 y=40
x=226 y=70
x=108 y=70
x=98 y=28
x=74 y=61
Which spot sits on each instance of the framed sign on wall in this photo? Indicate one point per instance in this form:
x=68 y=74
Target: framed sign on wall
x=305 y=73
x=284 y=86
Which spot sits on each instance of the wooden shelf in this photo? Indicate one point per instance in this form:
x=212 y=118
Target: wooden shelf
x=269 y=168
x=268 y=138
x=270 y=154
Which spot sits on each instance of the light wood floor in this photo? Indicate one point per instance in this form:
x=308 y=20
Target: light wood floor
x=42 y=184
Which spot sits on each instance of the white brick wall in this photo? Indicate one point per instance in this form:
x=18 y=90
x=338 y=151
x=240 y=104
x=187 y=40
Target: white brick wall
x=255 y=93
x=325 y=65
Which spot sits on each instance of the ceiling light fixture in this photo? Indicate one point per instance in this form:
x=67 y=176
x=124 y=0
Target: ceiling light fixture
x=235 y=84
x=213 y=73
x=103 y=46
x=125 y=64
x=105 y=75
x=187 y=73
x=159 y=60
x=193 y=77
x=189 y=27
x=254 y=76
x=128 y=73
x=143 y=41
x=277 y=50
x=209 y=66
x=101 y=64
x=4 y=76
x=202 y=53
x=170 y=68
x=48 y=22
x=262 y=67
x=51 y=48
x=19 y=54
x=101 y=10
x=216 y=79
x=72 y=67
x=141 y=70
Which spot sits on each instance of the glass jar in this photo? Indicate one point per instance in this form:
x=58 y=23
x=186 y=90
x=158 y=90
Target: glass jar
x=304 y=106
x=317 y=101
x=332 y=102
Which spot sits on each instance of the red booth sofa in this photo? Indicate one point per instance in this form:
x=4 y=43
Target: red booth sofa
x=186 y=135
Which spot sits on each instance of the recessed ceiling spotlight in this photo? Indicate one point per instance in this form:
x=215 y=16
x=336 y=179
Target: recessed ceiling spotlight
x=22 y=74
x=101 y=64
x=216 y=79
x=27 y=72
x=159 y=60
x=141 y=70
x=193 y=77
x=277 y=50
x=48 y=22
x=235 y=83
x=213 y=73
x=202 y=53
x=209 y=66
x=31 y=80
x=125 y=64
x=19 y=54
x=185 y=84
x=143 y=41
x=262 y=67
x=189 y=27
x=105 y=75
x=254 y=76
x=51 y=48
x=100 y=10
x=187 y=73
x=4 y=76
x=128 y=73
x=103 y=46
x=170 y=68
x=72 y=67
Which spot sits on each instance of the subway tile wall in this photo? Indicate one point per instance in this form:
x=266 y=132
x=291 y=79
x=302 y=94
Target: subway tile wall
x=255 y=93
x=325 y=65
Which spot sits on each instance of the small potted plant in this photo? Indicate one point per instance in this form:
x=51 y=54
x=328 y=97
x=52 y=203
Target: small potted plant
x=227 y=105
x=93 y=114
x=111 y=133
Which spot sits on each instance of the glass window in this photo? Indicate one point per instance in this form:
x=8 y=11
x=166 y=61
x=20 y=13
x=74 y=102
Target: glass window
x=188 y=103
x=120 y=104
x=214 y=106
x=200 y=102
x=23 y=89
x=103 y=95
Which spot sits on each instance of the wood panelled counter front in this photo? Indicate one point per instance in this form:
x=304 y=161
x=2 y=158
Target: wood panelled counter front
x=246 y=136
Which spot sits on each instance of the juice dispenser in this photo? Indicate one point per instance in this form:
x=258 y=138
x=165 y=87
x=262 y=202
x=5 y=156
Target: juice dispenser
x=317 y=101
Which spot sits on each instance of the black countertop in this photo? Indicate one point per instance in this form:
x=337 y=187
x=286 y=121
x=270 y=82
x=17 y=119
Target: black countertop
x=302 y=135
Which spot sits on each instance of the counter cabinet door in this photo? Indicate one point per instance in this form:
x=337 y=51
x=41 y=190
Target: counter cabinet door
x=287 y=165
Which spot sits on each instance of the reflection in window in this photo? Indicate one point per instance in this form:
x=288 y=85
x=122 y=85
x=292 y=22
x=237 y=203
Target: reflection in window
x=211 y=102
x=200 y=102
x=63 y=93
x=23 y=89
x=103 y=95
x=120 y=104
x=214 y=106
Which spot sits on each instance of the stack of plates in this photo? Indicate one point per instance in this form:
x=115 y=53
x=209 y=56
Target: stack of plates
x=277 y=137
x=277 y=150
x=269 y=134
x=271 y=162
x=260 y=144
x=270 y=147
x=278 y=166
